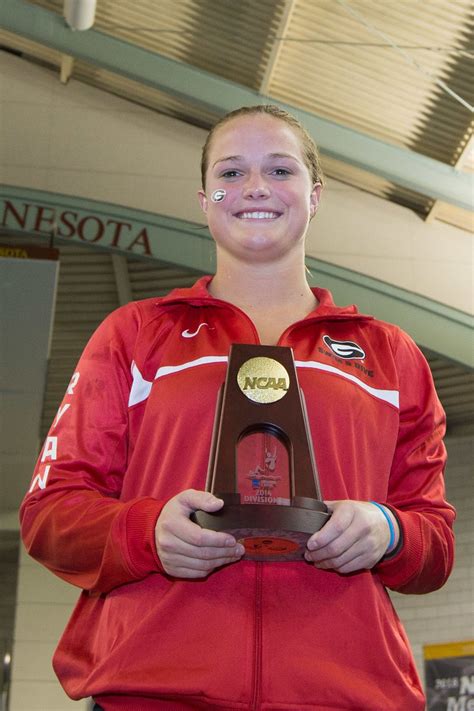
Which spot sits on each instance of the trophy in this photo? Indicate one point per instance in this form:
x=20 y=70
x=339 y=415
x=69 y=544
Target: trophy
x=261 y=461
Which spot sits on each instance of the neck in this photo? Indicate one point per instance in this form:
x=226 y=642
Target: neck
x=257 y=287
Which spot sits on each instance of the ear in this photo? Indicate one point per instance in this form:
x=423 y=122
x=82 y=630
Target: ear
x=314 y=198
x=203 y=201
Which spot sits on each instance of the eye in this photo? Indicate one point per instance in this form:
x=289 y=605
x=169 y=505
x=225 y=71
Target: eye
x=281 y=172
x=231 y=173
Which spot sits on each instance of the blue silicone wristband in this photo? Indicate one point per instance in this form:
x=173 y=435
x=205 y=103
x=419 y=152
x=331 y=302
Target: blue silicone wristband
x=390 y=524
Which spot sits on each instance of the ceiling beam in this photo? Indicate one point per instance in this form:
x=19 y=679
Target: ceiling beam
x=462 y=159
x=398 y=165
x=67 y=65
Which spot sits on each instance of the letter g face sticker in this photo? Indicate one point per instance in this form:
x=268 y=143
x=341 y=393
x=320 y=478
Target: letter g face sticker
x=345 y=349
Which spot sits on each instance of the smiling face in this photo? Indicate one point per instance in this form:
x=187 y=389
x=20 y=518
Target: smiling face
x=258 y=160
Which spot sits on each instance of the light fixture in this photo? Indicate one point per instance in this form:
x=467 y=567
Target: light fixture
x=80 y=14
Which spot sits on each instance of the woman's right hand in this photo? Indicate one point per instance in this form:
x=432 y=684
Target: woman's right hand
x=185 y=549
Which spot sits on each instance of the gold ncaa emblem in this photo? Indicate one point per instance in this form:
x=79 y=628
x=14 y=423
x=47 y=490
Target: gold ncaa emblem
x=263 y=380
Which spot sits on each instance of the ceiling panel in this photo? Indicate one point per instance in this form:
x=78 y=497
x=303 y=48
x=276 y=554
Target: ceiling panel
x=348 y=73
x=333 y=58
x=228 y=38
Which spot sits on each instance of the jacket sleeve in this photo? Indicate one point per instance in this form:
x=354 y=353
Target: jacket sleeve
x=72 y=520
x=416 y=494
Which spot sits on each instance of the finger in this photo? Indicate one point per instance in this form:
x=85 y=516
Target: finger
x=204 y=537
x=341 y=546
x=352 y=566
x=183 y=529
x=360 y=555
x=339 y=522
x=336 y=562
x=215 y=539
x=192 y=500
x=188 y=550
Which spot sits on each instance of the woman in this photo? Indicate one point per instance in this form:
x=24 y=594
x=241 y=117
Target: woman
x=170 y=616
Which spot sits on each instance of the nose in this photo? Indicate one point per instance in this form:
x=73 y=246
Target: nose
x=256 y=188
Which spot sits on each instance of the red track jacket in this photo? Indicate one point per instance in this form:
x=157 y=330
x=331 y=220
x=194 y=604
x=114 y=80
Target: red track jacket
x=134 y=429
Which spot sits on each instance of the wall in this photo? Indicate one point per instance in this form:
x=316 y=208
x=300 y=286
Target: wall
x=78 y=140
x=45 y=602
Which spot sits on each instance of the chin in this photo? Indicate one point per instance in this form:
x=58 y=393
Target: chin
x=260 y=242
x=264 y=252
x=262 y=248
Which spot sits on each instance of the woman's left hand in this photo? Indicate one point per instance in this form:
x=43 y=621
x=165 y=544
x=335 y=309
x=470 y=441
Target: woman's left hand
x=356 y=537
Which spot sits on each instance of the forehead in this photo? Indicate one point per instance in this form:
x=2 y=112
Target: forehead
x=255 y=133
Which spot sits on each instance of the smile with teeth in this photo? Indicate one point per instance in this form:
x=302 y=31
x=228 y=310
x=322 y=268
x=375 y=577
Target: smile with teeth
x=257 y=215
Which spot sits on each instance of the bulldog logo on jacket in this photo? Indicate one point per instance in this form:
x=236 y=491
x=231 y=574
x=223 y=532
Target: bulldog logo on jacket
x=345 y=349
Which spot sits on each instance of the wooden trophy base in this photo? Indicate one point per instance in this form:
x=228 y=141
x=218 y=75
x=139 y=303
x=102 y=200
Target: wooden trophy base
x=268 y=532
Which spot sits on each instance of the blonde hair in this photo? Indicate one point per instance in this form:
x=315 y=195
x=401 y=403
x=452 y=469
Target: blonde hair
x=310 y=152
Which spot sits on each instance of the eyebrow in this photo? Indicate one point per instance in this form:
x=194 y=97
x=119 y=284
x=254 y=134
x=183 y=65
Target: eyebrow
x=284 y=155
x=232 y=158
x=270 y=155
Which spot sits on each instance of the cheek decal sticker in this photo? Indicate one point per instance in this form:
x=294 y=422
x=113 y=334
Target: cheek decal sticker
x=218 y=195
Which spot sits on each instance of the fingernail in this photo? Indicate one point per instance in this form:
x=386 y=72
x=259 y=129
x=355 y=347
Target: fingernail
x=230 y=541
x=240 y=550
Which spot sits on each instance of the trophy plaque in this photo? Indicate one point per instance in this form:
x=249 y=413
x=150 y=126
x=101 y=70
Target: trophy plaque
x=262 y=462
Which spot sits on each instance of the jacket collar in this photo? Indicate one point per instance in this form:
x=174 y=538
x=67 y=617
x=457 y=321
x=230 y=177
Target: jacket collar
x=198 y=295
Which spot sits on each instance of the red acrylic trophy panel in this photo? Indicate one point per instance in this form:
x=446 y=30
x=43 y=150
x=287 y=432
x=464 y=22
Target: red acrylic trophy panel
x=262 y=462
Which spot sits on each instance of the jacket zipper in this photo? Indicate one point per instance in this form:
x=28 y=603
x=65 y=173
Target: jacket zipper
x=257 y=677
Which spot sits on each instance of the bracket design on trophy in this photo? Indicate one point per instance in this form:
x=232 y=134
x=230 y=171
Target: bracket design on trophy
x=261 y=396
